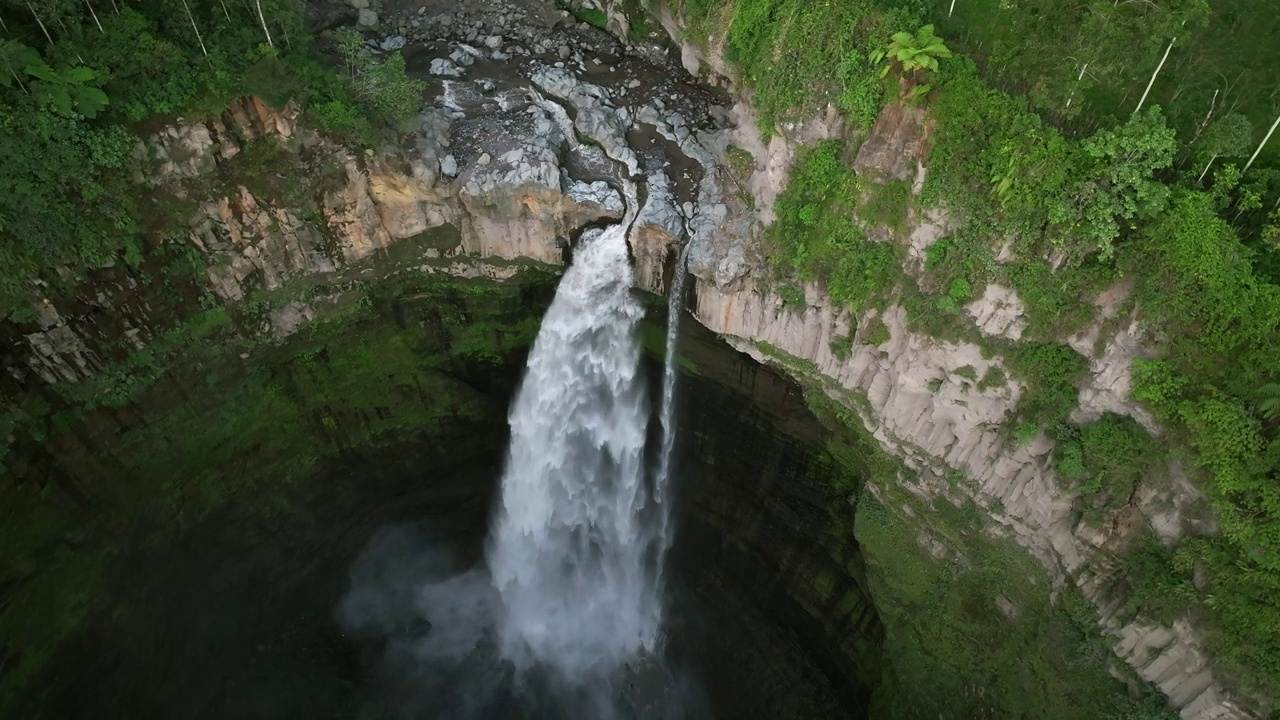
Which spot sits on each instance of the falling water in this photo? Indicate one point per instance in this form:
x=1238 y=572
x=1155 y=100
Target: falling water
x=568 y=553
x=662 y=479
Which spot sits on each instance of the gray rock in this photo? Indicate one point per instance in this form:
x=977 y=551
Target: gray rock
x=493 y=42
x=395 y=42
x=449 y=166
x=659 y=208
x=368 y=18
x=445 y=20
x=442 y=67
x=360 y=4
x=597 y=193
x=564 y=52
x=483 y=160
x=462 y=57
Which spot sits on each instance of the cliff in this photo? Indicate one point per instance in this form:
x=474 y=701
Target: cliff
x=507 y=171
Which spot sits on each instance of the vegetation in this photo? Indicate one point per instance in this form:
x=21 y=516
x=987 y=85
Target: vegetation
x=230 y=421
x=954 y=647
x=1079 y=148
x=79 y=87
x=816 y=236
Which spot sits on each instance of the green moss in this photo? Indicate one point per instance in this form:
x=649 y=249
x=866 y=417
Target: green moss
x=878 y=332
x=936 y=575
x=994 y=377
x=592 y=17
x=228 y=421
x=653 y=335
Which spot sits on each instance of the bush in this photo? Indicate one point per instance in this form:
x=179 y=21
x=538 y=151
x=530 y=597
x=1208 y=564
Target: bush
x=815 y=238
x=381 y=86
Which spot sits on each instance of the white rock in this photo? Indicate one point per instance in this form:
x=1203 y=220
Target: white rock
x=395 y=42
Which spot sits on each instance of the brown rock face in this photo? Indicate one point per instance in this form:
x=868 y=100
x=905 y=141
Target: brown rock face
x=896 y=143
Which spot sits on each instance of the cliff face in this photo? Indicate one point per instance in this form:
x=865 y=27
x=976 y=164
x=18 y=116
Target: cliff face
x=468 y=193
x=910 y=398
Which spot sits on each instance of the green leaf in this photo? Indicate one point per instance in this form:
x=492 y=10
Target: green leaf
x=81 y=74
x=89 y=100
x=41 y=70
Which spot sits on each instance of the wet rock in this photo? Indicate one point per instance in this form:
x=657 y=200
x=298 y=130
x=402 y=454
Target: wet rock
x=596 y=118
x=655 y=235
x=443 y=67
x=596 y=193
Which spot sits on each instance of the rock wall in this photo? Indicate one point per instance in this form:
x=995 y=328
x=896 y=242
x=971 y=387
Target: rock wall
x=493 y=160
x=920 y=410
x=757 y=488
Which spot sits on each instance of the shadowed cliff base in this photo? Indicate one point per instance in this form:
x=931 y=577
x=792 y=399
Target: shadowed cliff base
x=234 y=614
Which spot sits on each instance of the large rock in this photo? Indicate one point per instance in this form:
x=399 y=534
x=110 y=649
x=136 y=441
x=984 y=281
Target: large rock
x=895 y=146
x=655 y=235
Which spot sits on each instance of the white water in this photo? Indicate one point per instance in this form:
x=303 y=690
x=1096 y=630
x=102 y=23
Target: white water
x=572 y=552
x=667 y=416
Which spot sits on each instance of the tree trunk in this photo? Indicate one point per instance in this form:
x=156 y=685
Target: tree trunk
x=94 y=14
x=263 y=20
x=1073 y=90
x=190 y=17
x=1261 y=145
x=225 y=13
x=1153 y=76
x=1206 y=169
x=40 y=22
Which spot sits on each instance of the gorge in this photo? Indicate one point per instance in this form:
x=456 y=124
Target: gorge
x=374 y=419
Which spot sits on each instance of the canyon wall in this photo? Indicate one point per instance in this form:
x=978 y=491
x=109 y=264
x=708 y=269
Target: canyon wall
x=481 y=188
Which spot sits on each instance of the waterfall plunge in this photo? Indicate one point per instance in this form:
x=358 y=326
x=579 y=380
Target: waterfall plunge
x=577 y=544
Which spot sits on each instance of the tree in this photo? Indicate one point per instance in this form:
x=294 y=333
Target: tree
x=381 y=86
x=1229 y=136
x=190 y=17
x=1120 y=183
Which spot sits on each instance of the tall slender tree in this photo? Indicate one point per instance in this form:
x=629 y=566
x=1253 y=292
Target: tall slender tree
x=94 y=14
x=262 y=18
x=1261 y=145
x=192 y=18
x=1153 y=77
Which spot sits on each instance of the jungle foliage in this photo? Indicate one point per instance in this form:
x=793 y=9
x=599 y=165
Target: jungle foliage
x=80 y=85
x=1062 y=189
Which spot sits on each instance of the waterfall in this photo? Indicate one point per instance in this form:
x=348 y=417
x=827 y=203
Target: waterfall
x=571 y=552
x=662 y=479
